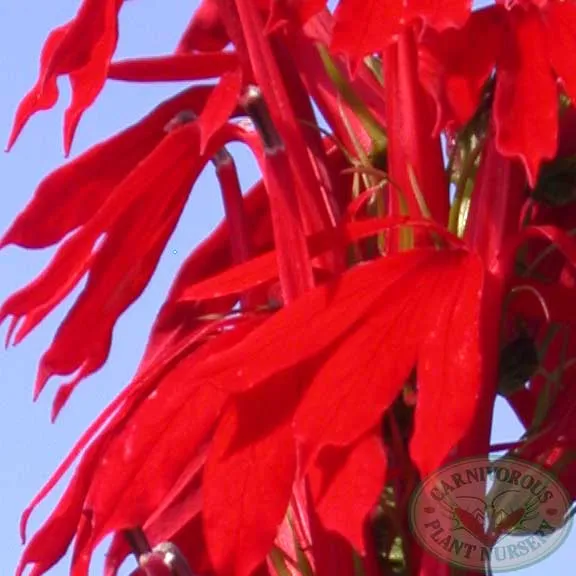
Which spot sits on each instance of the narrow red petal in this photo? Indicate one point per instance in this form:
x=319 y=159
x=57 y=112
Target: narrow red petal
x=440 y=14
x=220 y=106
x=44 y=94
x=449 y=369
x=377 y=355
x=205 y=32
x=453 y=68
x=51 y=542
x=81 y=49
x=249 y=477
x=174 y=68
x=526 y=98
x=71 y=195
x=560 y=22
x=364 y=27
x=339 y=472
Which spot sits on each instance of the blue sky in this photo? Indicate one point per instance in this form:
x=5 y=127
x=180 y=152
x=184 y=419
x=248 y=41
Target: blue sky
x=31 y=447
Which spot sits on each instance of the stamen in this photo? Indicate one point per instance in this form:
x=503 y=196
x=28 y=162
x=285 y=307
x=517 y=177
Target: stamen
x=222 y=158
x=137 y=541
x=183 y=117
x=256 y=108
x=174 y=559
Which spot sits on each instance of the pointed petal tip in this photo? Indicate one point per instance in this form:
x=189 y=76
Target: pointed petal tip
x=9 y=340
x=24 y=524
x=42 y=377
x=61 y=398
x=71 y=120
x=12 y=139
x=21 y=567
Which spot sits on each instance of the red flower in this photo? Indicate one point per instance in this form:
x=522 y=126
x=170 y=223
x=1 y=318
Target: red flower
x=82 y=50
x=338 y=337
x=138 y=180
x=365 y=27
x=529 y=47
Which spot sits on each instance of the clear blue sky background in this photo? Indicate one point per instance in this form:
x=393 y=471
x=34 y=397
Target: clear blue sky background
x=30 y=447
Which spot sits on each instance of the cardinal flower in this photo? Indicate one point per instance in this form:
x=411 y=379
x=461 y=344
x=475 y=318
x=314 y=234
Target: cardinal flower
x=365 y=27
x=529 y=47
x=345 y=331
x=120 y=181
x=82 y=50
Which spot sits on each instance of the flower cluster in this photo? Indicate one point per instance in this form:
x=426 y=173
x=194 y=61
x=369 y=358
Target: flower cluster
x=407 y=256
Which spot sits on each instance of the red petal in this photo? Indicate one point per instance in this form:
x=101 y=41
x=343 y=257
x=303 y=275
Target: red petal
x=249 y=477
x=115 y=415
x=264 y=268
x=174 y=68
x=161 y=199
x=560 y=28
x=44 y=95
x=364 y=27
x=82 y=49
x=314 y=321
x=71 y=195
x=205 y=32
x=88 y=78
x=455 y=64
x=440 y=14
x=526 y=98
x=50 y=543
x=144 y=435
x=375 y=358
x=346 y=484
x=143 y=465
x=449 y=368
x=220 y=106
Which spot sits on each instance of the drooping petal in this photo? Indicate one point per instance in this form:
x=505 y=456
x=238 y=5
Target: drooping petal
x=45 y=93
x=205 y=32
x=82 y=49
x=51 y=542
x=220 y=106
x=360 y=470
x=374 y=359
x=150 y=455
x=313 y=322
x=70 y=196
x=414 y=153
x=364 y=27
x=560 y=29
x=526 y=97
x=155 y=412
x=116 y=278
x=249 y=477
x=449 y=370
x=454 y=69
x=174 y=68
